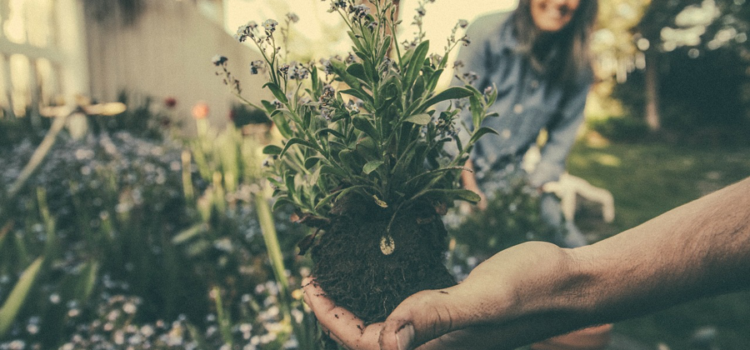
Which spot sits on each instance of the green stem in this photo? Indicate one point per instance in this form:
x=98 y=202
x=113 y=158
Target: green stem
x=265 y=218
x=224 y=322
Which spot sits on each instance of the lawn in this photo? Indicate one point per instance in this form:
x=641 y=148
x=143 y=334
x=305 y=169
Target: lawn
x=647 y=180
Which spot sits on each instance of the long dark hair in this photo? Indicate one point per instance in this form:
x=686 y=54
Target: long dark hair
x=573 y=57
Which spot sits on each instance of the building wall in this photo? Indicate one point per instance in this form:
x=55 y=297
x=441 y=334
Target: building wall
x=167 y=53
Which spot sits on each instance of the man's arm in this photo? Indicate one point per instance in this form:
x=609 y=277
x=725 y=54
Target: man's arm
x=536 y=290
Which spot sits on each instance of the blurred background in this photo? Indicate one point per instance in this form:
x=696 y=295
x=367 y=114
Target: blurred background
x=132 y=208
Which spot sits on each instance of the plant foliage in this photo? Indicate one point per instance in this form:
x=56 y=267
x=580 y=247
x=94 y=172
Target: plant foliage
x=366 y=124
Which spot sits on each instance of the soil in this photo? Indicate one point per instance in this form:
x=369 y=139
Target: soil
x=353 y=271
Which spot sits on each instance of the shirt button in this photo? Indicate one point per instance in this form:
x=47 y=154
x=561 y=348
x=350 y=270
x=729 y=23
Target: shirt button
x=518 y=108
x=505 y=134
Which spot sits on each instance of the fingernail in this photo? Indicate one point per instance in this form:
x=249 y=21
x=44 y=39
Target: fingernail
x=404 y=337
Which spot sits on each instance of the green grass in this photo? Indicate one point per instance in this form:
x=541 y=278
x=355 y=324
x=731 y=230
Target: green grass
x=647 y=180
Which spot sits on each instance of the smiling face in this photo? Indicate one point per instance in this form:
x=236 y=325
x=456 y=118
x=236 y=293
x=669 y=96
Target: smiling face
x=553 y=15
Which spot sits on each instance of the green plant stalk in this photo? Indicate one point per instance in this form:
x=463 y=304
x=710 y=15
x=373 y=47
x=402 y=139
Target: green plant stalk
x=49 y=222
x=187 y=183
x=18 y=295
x=37 y=157
x=224 y=321
x=4 y=232
x=265 y=218
x=36 y=160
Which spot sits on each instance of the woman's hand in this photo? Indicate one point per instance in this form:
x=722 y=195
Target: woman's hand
x=469 y=182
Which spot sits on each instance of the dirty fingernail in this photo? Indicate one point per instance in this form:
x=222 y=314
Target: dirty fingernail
x=404 y=337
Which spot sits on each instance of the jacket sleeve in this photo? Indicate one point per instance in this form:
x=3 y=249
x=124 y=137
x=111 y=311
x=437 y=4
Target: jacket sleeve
x=562 y=134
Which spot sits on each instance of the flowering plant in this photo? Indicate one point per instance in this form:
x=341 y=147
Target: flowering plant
x=365 y=124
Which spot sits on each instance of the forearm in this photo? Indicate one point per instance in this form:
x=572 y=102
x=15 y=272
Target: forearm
x=535 y=290
x=696 y=250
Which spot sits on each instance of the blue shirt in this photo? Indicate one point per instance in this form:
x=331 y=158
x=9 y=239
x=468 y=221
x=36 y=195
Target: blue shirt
x=528 y=101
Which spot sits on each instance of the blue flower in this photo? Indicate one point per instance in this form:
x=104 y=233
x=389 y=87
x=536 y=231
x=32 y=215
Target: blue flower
x=218 y=60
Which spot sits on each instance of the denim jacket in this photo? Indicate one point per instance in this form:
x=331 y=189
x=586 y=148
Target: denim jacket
x=526 y=103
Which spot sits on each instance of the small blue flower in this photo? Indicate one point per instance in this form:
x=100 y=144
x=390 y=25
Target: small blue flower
x=256 y=66
x=218 y=60
x=270 y=26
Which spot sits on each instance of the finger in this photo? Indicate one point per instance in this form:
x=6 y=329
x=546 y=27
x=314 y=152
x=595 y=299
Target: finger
x=344 y=327
x=422 y=317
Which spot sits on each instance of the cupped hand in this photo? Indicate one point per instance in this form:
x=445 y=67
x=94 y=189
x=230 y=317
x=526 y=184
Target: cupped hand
x=496 y=307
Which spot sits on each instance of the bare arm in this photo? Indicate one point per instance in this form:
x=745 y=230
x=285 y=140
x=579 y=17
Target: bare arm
x=536 y=290
x=533 y=291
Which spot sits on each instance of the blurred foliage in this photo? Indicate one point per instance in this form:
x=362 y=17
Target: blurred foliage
x=702 y=54
x=242 y=115
x=703 y=99
x=620 y=129
x=512 y=217
x=143 y=246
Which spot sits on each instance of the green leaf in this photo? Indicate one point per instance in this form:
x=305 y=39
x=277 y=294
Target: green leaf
x=326 y=200
x=313 y=179
x=340 y=69
x=311 y=162
x=358 y=94
x=347 y=159
x=371 y=166
x=314 y=78
x=357 y=70
x=88 y=280
x=361 y=123
x=289 y=182
x=188 y=234
x=381 y=203
x=272 y=149
x=433 y=173
x=356 y=41
x=276 y=91
x=4 y=233
x=18 y=295
x=453 y=194
x=432 y=83
x=419 y=119
x=326 y=131
x=476 y=110
x=481 y=132
x=418 y=89
x=336 y=195
x=280 y=120
x=268 y=106
x=280 y=201
x=447 y=94
x=297 y=141
x=333 y=170
x=384 y=48
x=415 y=63
x=366 y=148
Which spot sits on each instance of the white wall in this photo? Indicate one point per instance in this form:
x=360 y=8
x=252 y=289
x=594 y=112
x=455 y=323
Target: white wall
x=167 y=53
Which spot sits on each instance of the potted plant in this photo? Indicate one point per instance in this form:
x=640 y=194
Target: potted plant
x=362 y=157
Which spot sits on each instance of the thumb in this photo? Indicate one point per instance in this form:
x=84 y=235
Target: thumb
x=422 y=317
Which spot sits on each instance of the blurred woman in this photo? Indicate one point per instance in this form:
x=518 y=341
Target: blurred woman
x=537 y=58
